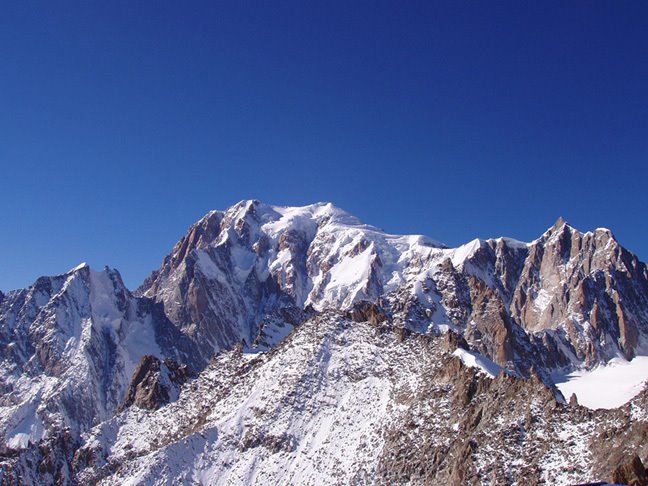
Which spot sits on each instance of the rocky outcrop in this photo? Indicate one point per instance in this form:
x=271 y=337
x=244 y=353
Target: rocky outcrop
x=631 y=473
x=154 y=384
x=367 y=312
x=453 y=454
x=452 y=341
x=571 y=287
x=48 y=462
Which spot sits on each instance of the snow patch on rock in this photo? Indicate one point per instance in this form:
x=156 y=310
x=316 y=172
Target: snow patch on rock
x=476 y=360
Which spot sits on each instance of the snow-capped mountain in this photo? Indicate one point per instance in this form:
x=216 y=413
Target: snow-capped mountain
x=70 y=345
x=301 y=346
x=565 y=298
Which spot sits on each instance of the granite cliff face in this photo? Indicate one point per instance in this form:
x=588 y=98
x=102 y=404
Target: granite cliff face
x=580 y=297
x=268 y=332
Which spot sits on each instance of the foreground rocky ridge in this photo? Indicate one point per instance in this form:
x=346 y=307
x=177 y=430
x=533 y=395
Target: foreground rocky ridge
x=304 y=310
x=342 y=402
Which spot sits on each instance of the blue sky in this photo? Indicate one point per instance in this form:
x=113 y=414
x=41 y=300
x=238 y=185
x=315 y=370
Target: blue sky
x=121 y=123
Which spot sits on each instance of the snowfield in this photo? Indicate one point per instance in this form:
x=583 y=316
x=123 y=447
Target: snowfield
x=606 y=386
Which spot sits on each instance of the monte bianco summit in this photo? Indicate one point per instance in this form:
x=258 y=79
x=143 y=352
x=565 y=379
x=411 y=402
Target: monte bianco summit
x=298 y=345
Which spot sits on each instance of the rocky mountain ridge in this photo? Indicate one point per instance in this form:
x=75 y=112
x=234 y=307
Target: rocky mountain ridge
x=82 y=356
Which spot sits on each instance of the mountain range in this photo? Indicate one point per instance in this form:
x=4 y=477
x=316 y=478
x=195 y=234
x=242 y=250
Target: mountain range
x=298 y=345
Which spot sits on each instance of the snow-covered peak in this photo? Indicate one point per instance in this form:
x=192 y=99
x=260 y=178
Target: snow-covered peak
x=462 y=253
x=306 y=241
x=237 y=268
x=559 y=228
x=274 y=220
x=319 y=213
x=242 y=264
x=80 y=266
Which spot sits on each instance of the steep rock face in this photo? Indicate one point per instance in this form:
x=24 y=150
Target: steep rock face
x=211 y=286
x=585 y=292
x=70 y=345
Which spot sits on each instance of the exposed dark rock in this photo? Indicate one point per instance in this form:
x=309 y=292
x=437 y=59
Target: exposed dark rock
x=367 y=312
x=154 y=383
x=453 y=340
x=631 y=473
x=48 y=462
x=573 y=400
x=274 y=443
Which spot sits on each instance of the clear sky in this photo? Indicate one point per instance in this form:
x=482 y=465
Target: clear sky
x=122 y=123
